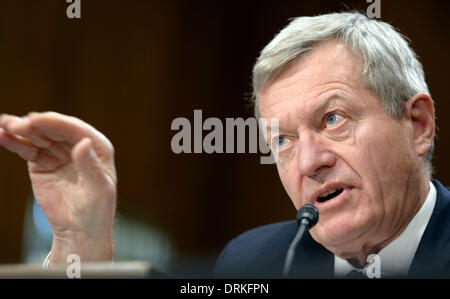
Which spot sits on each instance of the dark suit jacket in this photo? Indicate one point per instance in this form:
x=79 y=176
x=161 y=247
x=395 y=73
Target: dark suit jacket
x=260 y=252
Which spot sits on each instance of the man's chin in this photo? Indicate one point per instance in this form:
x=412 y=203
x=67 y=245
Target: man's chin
x=340 y=238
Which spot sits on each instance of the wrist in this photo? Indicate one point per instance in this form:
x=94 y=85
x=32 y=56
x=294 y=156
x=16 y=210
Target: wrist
x=88 y=248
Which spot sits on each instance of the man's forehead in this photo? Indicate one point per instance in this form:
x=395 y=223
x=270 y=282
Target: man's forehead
x=329 y=63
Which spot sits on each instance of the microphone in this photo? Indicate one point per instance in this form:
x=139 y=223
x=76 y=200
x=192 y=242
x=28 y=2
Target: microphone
x=307 y=217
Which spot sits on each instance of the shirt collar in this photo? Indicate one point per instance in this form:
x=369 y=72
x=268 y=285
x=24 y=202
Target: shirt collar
x=397 y=256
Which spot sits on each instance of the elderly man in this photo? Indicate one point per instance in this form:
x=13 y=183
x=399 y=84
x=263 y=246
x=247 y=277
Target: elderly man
x=355 y=139
x=356 y=130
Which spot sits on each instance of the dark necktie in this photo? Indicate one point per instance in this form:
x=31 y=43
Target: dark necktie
x=355 y=274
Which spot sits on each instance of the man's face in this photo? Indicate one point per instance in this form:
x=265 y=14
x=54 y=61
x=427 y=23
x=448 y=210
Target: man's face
x=334 y=136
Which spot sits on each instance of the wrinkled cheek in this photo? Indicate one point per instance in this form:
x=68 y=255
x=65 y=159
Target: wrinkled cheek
x=388 y=164
x=292 y=184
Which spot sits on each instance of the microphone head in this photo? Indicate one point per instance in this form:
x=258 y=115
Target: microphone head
x=308 y=212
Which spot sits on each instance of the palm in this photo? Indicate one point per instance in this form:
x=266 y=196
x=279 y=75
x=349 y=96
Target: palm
x=57 y=193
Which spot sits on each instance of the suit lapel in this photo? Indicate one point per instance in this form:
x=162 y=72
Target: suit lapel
x=432 y=258
x=313 y=260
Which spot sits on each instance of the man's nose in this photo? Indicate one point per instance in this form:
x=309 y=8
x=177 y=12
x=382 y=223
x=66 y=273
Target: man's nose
x=314 y=154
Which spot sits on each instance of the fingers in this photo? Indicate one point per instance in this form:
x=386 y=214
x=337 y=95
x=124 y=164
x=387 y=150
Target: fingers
x=42 y=127
x=89 y=167
x=18 y=136
x=20 y=146
x=22 y=127
x=41 y=159
x=47 y=139
x=45 y=162
x=44 y=130
x=59 y=127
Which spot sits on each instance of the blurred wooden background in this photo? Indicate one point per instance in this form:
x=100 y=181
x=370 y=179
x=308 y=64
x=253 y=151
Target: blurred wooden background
x=130 y=67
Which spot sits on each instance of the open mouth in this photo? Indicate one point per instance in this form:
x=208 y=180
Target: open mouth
x=329 y=195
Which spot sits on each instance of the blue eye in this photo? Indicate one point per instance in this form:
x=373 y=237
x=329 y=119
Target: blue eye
x=333 y=119
x=281 y=141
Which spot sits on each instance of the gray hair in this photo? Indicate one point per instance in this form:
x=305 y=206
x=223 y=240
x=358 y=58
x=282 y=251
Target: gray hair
x=391 y=68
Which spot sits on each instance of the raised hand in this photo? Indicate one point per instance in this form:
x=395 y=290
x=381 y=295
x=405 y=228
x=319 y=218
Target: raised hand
x=71 y=167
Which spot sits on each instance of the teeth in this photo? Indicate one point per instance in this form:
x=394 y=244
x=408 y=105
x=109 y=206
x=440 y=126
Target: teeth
x=328 y=193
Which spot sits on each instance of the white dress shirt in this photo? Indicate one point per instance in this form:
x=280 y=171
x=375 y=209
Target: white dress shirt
x=397 y=256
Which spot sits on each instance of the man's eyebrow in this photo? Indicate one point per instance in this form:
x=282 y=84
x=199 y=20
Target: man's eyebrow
x=320 y=107
x=332 y=99
x=323 y=105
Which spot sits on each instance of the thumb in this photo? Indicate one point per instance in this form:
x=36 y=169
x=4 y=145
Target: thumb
x=88 y=165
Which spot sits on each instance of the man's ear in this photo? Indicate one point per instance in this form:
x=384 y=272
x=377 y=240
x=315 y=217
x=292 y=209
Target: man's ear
x=420 y=111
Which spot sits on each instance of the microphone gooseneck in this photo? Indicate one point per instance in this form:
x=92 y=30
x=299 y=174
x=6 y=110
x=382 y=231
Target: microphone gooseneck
x=307 y=217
